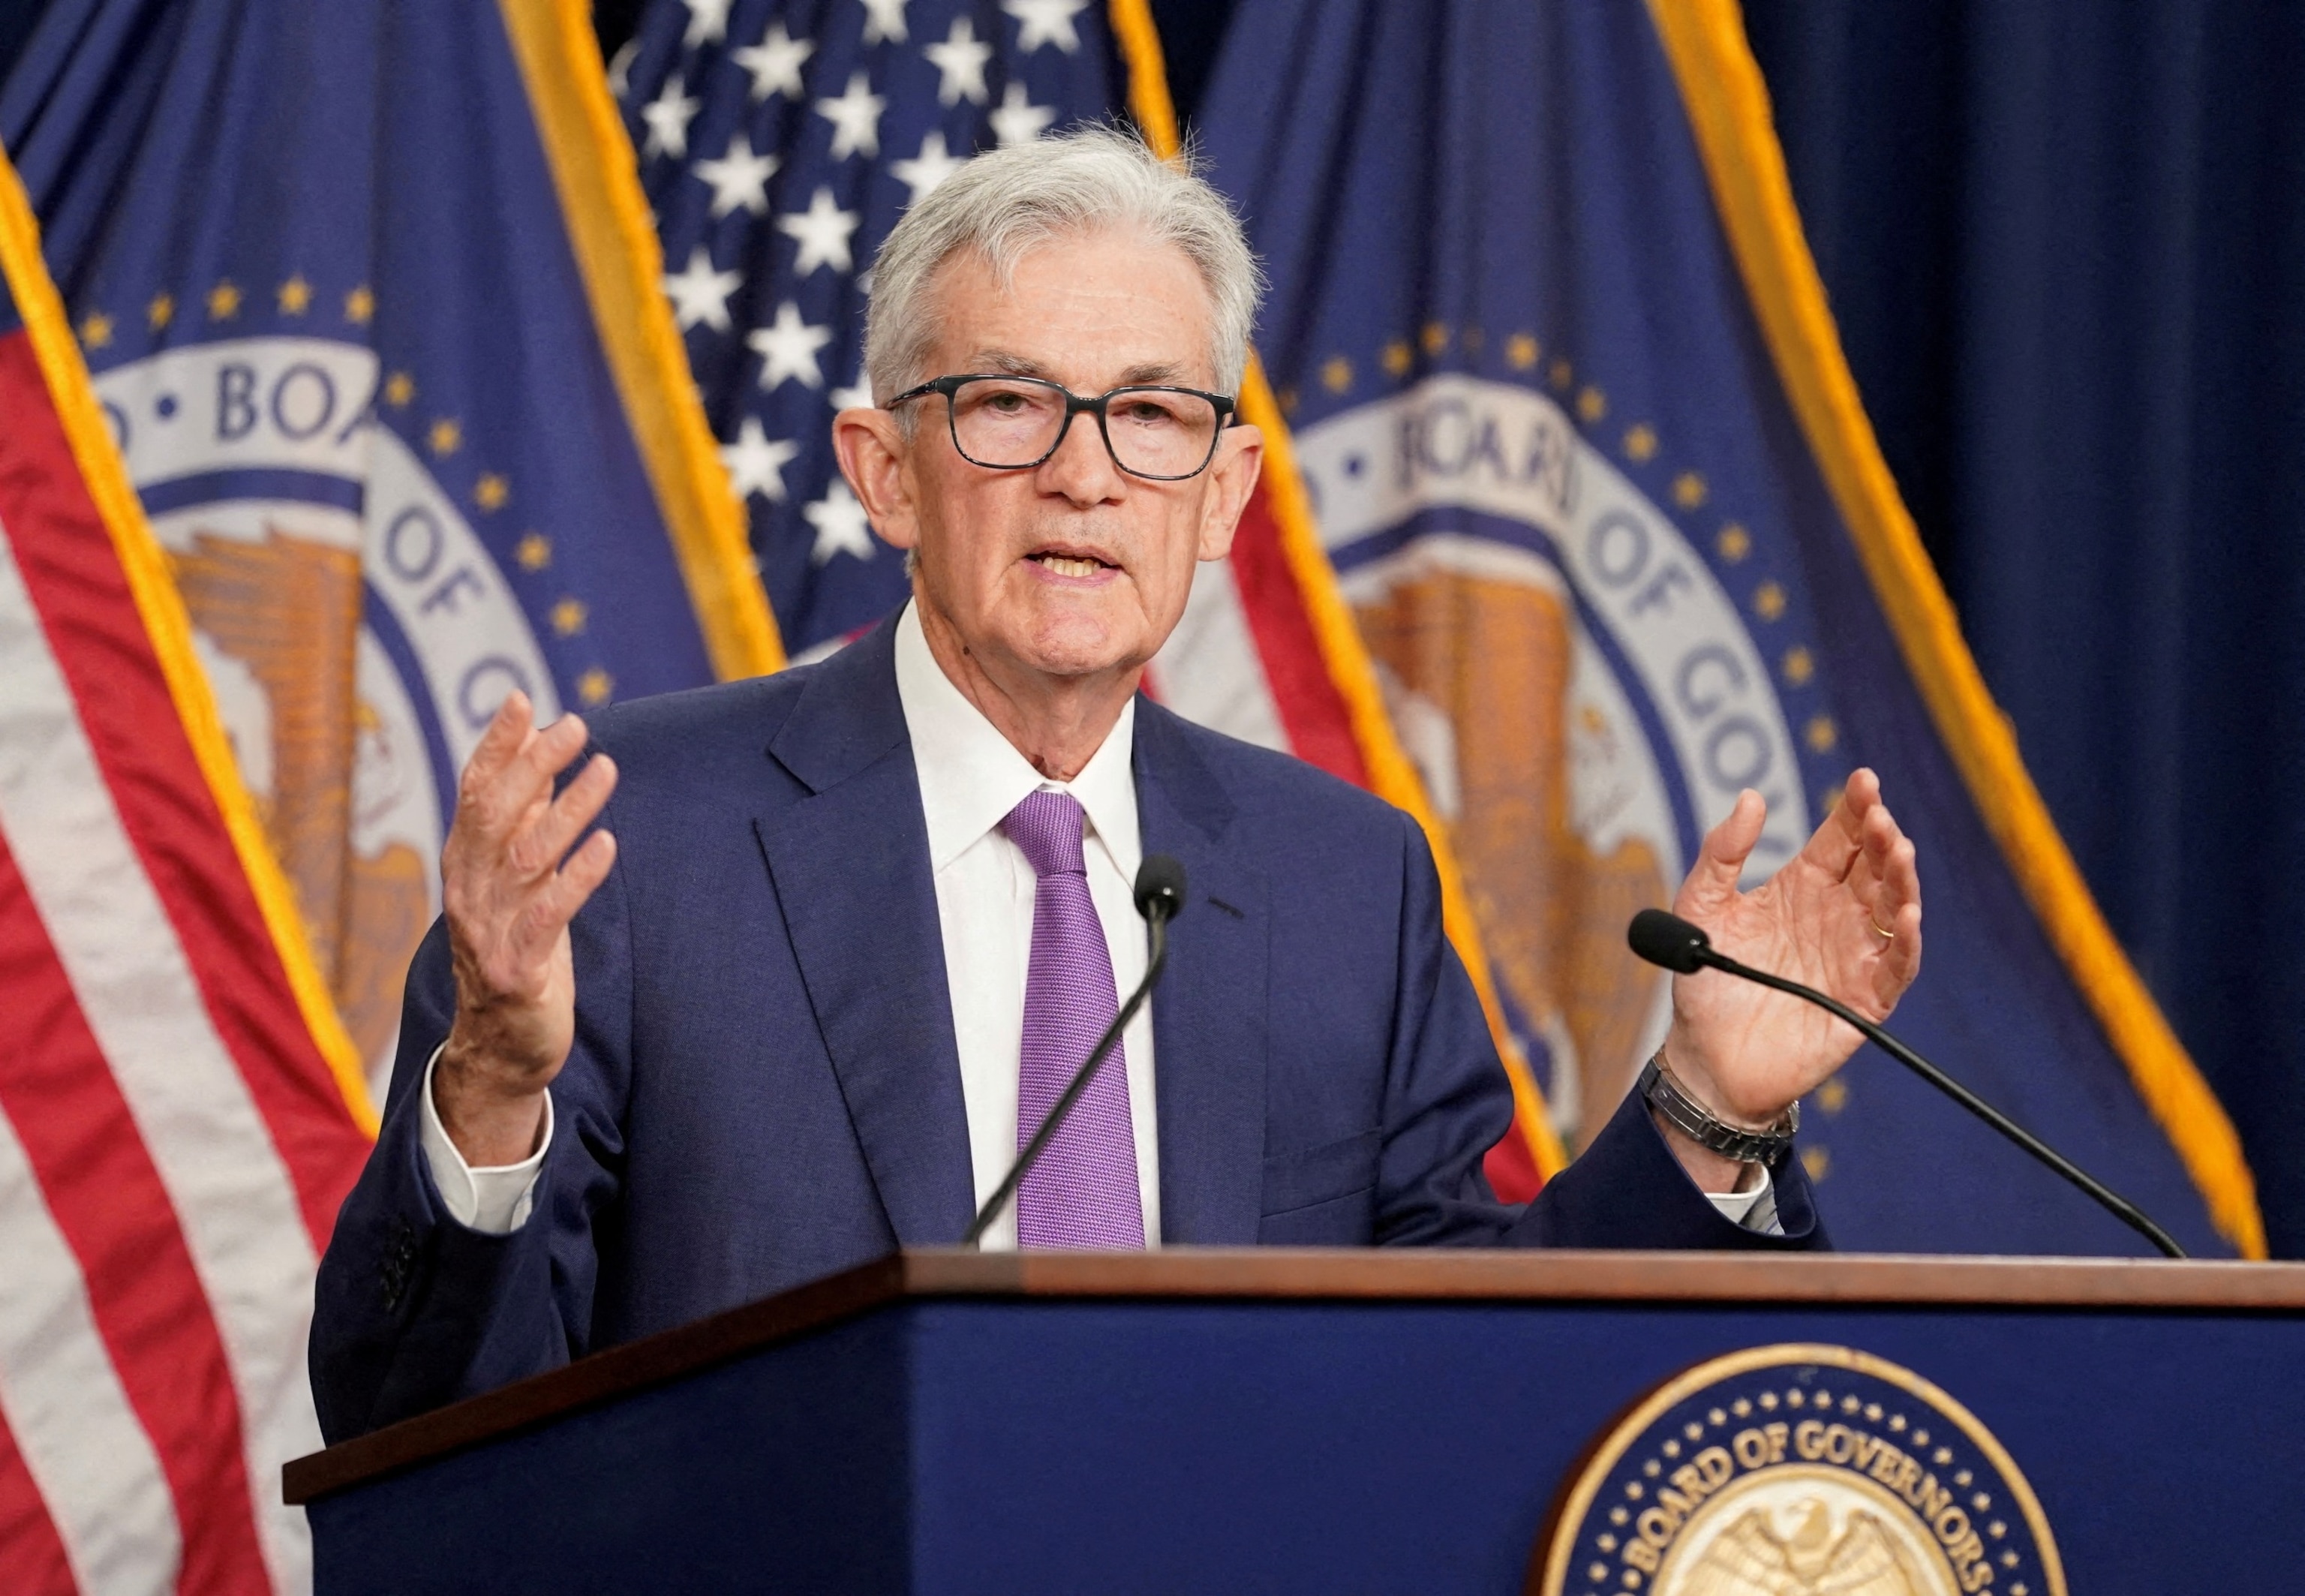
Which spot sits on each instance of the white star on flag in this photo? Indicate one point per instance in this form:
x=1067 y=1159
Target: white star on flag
x=960 y=62
x=823 y=232
x=856 y=118
x=931 y=167
x=788 y=349
x=1045 y=22
x=858 y=396
x=1017 y=121
x=841 y=525
x=756 y=462
x=667 y=117
x=884 y=21
x=708 y=19
x=739 y=178
x=699 y=295
x=775 y=62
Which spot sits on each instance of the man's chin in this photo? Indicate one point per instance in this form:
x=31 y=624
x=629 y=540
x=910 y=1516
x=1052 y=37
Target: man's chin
x=1074 y=646
x=1080 y=632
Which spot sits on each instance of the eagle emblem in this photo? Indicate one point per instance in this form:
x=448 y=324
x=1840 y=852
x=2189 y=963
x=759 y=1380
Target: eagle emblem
x=1750 y=1558
x=284 y=612
x=1478 y=674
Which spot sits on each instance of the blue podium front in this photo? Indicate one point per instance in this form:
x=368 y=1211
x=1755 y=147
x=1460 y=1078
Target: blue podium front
x=1356 y=1422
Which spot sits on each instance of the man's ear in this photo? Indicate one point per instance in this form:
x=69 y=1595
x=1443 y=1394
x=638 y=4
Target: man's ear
x=1233 y=477
x=875 y=457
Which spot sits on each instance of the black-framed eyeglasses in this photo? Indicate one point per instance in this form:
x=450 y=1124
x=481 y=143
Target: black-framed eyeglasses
x=1014 y=423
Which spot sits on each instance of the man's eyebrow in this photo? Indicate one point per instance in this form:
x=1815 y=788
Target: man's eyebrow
x=1002 y=363
x=1007 y=365
x=1159 y=372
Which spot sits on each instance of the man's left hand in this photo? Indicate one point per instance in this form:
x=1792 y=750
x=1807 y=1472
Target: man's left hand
x=1844 y=917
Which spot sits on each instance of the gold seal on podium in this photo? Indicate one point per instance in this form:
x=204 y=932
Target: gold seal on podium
x=1797 y=1470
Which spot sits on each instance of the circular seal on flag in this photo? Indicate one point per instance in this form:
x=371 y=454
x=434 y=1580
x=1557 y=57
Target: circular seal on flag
x=1798 y=1470
x=355 y=629
x=1575 y=680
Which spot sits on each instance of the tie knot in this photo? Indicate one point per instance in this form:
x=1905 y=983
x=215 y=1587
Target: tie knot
x=1047 y=826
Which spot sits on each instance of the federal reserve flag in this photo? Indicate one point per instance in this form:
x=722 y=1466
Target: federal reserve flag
x=369 y=294
x=1577 y=436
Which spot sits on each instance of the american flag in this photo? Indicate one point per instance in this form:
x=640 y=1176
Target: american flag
x=180 y=1111
x=779 y=141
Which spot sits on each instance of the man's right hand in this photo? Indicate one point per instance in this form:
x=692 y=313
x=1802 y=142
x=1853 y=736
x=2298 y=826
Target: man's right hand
x=509 y=897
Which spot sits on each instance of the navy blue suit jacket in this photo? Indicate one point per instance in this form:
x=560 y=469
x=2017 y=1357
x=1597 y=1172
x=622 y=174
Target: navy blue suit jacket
x=765 y=1089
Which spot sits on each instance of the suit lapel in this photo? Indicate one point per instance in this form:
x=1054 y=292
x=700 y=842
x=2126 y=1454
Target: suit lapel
x=851 y=868
x=1209 y=1012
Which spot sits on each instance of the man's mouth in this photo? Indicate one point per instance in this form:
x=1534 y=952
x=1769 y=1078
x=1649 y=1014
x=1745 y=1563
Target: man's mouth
x=1074 y=562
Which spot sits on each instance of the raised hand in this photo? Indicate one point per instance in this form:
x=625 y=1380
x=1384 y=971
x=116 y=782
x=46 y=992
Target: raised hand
x=510 y=886
x=1844 y=916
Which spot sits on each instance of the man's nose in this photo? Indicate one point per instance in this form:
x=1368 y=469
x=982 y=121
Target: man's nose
x=1082 y=469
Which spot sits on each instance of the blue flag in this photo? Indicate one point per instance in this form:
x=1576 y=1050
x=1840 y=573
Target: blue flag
x=1581 y=446
x=779 y=140
x=369 y=297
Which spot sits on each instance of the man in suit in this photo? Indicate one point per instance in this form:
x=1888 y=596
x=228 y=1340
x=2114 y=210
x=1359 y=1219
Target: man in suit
x=782 y=976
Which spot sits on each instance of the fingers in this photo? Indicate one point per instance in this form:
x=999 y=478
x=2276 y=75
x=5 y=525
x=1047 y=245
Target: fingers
x=1878 y=865
x=1896 y=903
x=536 y=848
x=508 y=893
x=1712 y=880
x=549 y=910
x=508 y=728
x=512 y=768
x=1839 y=839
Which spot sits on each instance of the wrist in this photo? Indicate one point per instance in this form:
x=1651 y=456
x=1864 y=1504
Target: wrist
x=1721 y=1155
x=1732 y=1101
x=492 y=1120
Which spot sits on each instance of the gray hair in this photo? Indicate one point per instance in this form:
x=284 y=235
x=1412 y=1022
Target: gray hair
x=1005 y=202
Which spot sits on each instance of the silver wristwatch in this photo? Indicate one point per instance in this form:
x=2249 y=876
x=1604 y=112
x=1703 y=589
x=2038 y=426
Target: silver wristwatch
x=1686 y=1115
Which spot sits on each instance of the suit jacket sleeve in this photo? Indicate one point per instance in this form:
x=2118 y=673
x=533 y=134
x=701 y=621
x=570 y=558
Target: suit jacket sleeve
x=413 y=1309
x=1447 y=1102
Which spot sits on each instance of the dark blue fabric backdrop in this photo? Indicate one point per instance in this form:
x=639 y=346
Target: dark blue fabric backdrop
x=2065 y=241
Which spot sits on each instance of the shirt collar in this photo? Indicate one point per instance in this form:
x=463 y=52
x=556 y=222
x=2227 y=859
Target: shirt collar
x=971 y=775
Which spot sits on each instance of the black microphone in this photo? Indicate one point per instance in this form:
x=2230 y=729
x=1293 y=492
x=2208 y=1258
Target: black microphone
x=1671 y=941
x=1160 y=899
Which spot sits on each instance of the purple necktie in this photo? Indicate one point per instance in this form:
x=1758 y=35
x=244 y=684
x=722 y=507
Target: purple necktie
x=1082 y=1191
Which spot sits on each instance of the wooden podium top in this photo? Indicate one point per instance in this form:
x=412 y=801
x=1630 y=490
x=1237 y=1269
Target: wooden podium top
x=1277 y=1274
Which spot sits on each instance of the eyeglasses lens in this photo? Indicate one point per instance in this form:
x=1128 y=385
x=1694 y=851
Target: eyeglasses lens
x=1009 y=423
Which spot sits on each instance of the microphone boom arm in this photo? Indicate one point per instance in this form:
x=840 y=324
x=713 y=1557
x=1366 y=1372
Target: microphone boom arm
x=2128 y=1212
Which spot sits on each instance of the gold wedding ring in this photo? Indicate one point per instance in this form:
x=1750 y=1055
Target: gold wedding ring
x=1885 y=936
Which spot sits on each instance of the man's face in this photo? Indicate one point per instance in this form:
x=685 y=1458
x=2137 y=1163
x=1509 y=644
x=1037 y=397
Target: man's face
x=1072 y=567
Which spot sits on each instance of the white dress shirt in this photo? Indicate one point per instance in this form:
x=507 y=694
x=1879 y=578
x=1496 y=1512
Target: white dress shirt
x=971 y=776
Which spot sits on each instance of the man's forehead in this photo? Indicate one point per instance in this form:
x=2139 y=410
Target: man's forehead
x=1137 y=308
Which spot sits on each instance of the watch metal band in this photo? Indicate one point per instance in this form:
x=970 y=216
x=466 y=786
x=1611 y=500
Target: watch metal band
x=1661 y=1092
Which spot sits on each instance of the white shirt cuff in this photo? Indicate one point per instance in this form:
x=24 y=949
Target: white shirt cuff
x=1755 y=1209
x=494 y=1201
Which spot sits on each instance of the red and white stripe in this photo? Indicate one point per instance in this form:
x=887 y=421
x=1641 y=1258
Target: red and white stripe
x=172 y=1147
